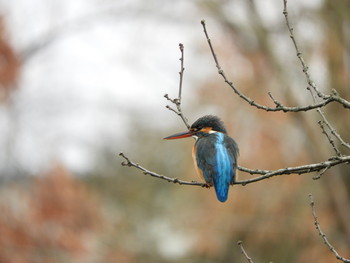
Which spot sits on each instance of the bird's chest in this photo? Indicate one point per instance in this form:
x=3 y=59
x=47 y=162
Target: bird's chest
x=206 y=155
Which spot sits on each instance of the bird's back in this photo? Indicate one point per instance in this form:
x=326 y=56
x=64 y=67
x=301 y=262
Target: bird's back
x=215 y=156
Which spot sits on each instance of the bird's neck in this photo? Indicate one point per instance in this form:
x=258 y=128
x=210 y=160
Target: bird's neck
x=200 y=135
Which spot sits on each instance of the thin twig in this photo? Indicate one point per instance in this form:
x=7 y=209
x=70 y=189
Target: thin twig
x=181 y=73
x=330 y=140
x=323 y=236
x=305 y=68
x=177 y=101
x=277 y=103
x=170 y=108
x=130 y=163
x=335 y=133
x=240 y=244
x=321 y=173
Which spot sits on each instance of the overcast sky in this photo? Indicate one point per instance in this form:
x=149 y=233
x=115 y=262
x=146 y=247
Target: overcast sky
x=90 y=66
x=87 y=66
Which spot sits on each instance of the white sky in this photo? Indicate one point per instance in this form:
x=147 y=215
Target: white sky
x=76 y=93
x=108 y=59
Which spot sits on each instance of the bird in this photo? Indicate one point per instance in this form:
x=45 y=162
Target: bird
x=214 y=153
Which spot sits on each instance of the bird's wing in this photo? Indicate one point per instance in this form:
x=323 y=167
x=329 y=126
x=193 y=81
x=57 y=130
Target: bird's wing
x=205 y=161
x=232 y=149
x=216 y=157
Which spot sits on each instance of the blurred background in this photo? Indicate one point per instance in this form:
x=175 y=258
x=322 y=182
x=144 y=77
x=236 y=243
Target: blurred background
x=81 y=81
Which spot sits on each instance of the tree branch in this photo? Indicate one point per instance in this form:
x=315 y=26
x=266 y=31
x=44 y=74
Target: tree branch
x=323 y=236
x=265 y=174
x=303 y=169
x=177 y=101
x=311 y=83
x=329 y=138
x=240 y=244
x=279 y=106
x=130 y=163
x=305 y=68
x=333 y=131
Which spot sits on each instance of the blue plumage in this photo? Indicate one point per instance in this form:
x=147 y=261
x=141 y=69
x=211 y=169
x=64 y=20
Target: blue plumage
x=224 y=169
x=214 y=153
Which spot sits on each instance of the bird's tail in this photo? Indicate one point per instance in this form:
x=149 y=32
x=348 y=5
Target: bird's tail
x=222 y=193
x=222 y=185
x=221 y=189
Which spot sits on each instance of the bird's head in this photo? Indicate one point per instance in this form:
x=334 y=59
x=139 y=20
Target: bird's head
x=200 y=128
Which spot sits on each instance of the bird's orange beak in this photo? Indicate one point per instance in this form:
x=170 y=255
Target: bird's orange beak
x=180 y=135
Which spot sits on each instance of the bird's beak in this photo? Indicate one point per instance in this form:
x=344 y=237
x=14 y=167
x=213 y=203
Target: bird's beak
x=180 y=135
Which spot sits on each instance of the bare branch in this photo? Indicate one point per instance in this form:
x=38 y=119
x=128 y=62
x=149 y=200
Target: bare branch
x=321 y=173
x=181 y=73
x=311 y=83
x=177 y=101
x=323 y=236
x=330 y=140
x=170 y=108
x=334 y=132
x=279 y=106
x=305 y=68
x=303 y=169
x=130 y=163
x=337 y=98
x=265 y=174
x=240 y=244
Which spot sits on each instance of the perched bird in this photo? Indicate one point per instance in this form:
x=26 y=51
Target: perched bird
x=214 y=153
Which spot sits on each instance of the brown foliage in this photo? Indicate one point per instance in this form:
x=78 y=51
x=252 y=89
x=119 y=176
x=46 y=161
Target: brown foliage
x=9 y=64
x=56 y=219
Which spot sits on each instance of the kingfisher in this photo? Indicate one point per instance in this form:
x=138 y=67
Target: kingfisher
x=214 y=153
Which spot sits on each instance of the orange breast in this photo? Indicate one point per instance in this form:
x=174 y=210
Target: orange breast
x=199 y=171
